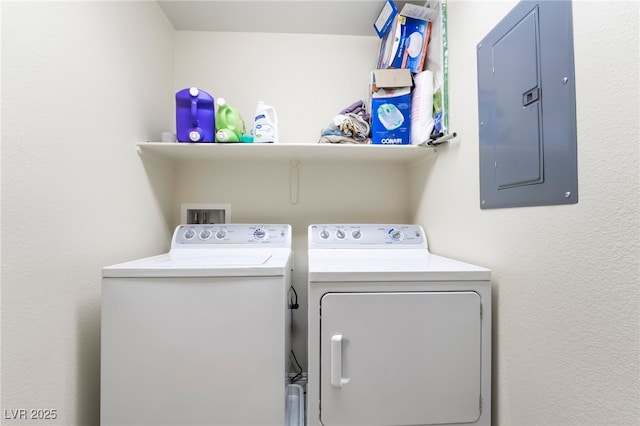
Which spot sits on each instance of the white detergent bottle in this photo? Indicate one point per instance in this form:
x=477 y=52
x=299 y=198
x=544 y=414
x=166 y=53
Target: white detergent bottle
x=265 y=129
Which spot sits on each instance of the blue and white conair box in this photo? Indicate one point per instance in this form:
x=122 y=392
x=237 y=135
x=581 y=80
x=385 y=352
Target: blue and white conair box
x=391 y=106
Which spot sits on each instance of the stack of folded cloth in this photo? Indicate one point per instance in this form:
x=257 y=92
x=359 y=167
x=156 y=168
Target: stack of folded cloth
x=351 y=125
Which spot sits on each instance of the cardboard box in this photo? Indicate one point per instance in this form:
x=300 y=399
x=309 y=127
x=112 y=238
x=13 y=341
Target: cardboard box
x=405 y=43
x=391 y=106
x=385 y=18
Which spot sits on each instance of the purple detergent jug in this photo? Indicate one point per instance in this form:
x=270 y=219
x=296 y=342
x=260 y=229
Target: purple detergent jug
x=194 y=116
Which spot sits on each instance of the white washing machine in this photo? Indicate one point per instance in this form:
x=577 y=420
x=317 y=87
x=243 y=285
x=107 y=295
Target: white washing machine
x=199 y=335
x=397 y=335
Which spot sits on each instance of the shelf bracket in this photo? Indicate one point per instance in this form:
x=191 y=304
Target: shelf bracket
x=293 y=174
x=439 y=139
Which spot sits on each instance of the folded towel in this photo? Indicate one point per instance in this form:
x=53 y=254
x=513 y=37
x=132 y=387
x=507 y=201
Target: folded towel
x=357 y=108
x=342 y=140
x=350 y=125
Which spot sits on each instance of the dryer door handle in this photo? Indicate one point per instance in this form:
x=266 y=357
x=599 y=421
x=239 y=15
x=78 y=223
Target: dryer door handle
x=336 y=362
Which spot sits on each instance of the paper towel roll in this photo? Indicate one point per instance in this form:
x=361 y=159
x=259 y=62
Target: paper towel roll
x=422 y=108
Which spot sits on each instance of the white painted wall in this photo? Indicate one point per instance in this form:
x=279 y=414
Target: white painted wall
x=308 y=79
x=566 y=278
x=328 y=193
x=79 y=89
x=81 y=83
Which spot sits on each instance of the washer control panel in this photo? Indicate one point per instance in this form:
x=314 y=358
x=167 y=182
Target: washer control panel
x=231 y=234
x=360 y=235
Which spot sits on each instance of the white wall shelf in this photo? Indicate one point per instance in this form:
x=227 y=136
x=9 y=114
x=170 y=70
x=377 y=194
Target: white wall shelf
x=288 y=152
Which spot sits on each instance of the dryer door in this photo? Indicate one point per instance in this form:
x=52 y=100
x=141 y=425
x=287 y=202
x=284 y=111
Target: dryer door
x=410 y=358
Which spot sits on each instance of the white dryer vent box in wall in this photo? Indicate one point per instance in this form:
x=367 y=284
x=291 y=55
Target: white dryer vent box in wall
x=194 y=213
x=527 y=108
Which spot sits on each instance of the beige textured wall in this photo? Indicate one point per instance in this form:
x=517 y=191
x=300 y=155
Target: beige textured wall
x=81 y=83
x=566 y=278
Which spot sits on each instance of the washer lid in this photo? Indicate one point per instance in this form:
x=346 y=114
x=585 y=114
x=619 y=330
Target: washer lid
x=206 y=263
x=332 y=265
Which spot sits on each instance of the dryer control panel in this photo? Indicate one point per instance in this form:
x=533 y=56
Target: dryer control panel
x=231 y=235
x=366 y=236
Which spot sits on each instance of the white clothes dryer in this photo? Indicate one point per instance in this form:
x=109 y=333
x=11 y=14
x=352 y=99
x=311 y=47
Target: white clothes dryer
x=199 y=335
x=397 y=335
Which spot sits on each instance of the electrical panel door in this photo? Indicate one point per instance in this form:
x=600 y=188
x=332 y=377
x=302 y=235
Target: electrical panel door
x=527 y=112
x=518 y=144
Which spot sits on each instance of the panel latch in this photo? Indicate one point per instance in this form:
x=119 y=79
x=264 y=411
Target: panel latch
x=531 y=96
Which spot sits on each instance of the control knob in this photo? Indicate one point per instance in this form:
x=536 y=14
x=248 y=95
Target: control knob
x=396 y=234
x=259 y=234
x=340 y=234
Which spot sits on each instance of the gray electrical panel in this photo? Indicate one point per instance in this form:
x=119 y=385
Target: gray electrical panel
x=527 y=109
